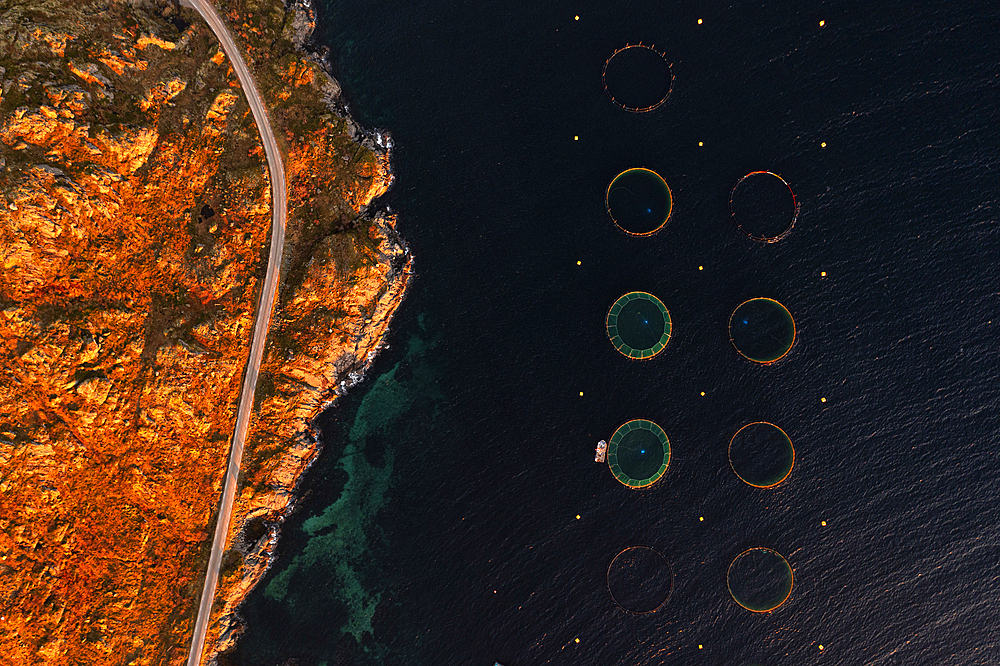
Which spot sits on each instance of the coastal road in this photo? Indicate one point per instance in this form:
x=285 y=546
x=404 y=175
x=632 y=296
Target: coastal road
x=261 y=322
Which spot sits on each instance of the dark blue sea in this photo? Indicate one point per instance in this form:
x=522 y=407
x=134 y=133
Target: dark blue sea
x=439 y=526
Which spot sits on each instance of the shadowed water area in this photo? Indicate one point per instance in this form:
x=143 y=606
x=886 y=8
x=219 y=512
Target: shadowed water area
x=440 y=526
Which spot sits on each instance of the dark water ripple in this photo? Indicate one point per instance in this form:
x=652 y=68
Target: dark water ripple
x=477 y=402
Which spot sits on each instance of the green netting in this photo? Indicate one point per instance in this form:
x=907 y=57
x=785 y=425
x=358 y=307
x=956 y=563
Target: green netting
x=763 y=206
x=638 y=325
x=762 y=330
x=759 y=579
x=639 y=201
x=761 y=454
x=639 y=579
x=637 y=78
x=638 y=453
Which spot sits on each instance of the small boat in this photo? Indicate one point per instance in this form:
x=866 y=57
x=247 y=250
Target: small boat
x=602 y=451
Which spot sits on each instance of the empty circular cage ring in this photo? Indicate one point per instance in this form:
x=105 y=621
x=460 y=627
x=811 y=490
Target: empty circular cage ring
x=639 y=201
x=637 y=77
x=763 y=206
x=761 y=454
x=638 y=453
x=640 y=580
x=762 y=330
x=760 y=579
x=638 y=325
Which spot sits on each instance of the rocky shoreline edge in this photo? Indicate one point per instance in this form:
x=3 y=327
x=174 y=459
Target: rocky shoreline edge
x=345 y=367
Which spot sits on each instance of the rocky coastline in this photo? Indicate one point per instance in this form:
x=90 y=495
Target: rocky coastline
x=322 y=379
x=134 y=217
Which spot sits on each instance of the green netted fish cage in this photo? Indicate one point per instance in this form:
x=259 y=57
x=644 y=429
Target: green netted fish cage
x=638 y=453
x=638 y=325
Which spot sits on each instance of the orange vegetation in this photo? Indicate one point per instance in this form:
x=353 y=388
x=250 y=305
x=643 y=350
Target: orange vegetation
x=133 y=228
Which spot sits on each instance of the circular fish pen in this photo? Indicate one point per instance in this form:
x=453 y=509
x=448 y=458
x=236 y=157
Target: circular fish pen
x=759 y=579
x=639 y=201
x=637 y=78
x=638 y=453
x=761 y=454
x=638 y=325
x=763 y=206
x=762 y=330
x=640 y=580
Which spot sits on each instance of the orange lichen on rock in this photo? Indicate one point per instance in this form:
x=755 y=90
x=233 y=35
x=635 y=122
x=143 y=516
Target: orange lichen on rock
x=55 y=40
x=162 y=92
x=133 y=226
x=215 y=118
x=89 y=73
x=153 y=40
x=299 y=73
x=120 y=63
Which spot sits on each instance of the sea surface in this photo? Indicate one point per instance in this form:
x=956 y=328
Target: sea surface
x=440 y=526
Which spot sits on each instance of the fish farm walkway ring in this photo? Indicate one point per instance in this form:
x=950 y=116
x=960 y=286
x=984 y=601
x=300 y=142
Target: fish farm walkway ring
x=638 y=453
x=760 y=579
x=640 y=580
x=637 y=78
x=754 y=223
x=639 y=201
x=633 y=339
x=761 y=454
x=762 y=330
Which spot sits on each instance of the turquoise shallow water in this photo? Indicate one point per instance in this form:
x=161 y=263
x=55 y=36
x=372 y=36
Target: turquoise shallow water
x=439 y=526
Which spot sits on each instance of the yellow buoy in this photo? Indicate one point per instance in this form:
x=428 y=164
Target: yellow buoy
x=823 y=523
x=703 y=393
x=578 y=516
x=701 y=268
x=822 y=144
x=822 y=274
x=701 y=143
x=576 y=640
x=576 y=137
x=701 y=519
x=821 y=399
x=822 y=23
x=576 y=18
x=699 y=21
x=581 y=395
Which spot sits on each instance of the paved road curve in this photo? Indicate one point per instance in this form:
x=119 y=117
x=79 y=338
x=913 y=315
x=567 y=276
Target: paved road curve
x=261 y=324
